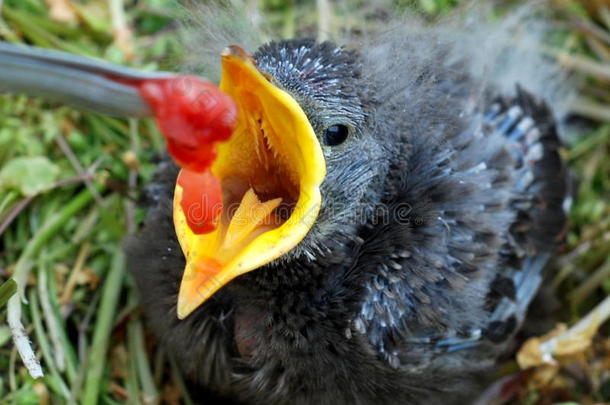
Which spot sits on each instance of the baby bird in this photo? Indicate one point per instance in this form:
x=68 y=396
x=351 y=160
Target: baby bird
x=393 y=211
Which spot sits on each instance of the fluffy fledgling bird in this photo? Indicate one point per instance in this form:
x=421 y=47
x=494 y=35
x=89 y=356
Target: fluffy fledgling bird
x=388 y=213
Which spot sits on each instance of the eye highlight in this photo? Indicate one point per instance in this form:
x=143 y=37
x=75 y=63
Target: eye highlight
x=335 y=134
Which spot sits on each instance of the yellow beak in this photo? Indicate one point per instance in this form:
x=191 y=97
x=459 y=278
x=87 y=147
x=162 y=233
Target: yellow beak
x=270 y=172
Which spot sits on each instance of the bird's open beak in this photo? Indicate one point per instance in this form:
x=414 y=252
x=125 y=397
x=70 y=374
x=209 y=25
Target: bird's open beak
x=270 y=173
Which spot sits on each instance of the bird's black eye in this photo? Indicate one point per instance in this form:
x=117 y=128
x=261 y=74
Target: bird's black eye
x=335 y=135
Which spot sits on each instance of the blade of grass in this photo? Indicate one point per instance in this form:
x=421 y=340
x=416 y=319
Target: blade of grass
x=590 y=28
x=137 y=348
x=591 y=283
x=599 y=49
x=78 y=167
x=594 y=140
x=130 y=206
x=158 y=142
x=12 y=376
x=22 y=268
x=50 y=228
x=58 y=385
x=123 y=35
x=584 y=65
x=86 y=227
x=7 y=290
x=41 y=37
x=132 y=383
x=76 y=269
x=16 y=210
x=9 y=198
x=103 y=327
x=69 y=352
x=591 y=109
x=49 y=318
x=604 y=14
x=22 y=204
x=83 y=327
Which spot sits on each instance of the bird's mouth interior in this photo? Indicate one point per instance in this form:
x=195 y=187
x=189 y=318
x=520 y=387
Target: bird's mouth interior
x=270 y=171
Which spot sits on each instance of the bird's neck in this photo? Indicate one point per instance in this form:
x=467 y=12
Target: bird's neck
x=303 y=281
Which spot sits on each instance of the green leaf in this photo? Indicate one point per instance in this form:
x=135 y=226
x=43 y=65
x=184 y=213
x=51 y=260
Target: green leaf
x=7 y=289
x=29 y=175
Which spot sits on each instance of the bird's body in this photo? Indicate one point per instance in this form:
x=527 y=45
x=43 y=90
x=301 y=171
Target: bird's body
x=439 y=212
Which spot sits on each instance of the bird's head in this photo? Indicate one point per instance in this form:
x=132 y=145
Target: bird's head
x=298 y=169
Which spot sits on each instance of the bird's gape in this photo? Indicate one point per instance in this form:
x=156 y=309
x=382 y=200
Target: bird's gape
x=260 y=190
x=270 y=171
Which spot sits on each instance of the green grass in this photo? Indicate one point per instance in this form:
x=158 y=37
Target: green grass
x=75 y=201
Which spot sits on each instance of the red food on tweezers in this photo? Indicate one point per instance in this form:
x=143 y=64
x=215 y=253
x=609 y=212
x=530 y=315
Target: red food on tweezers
x=193 y=115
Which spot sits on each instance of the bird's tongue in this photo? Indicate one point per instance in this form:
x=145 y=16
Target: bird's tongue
x=250 y=215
